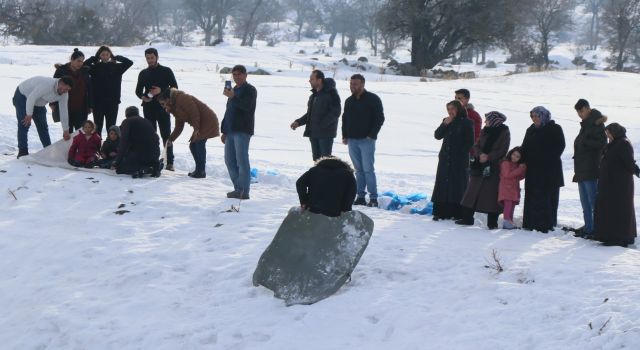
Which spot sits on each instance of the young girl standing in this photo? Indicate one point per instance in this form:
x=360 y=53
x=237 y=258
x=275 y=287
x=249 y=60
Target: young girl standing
x=512 y=171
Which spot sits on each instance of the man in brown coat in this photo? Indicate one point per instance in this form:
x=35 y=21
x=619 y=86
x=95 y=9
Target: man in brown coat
x=188 y=109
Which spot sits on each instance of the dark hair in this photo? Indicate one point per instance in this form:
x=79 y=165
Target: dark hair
x=461 y=112
x=616 y=130
x=515 y=149
x=150 y=51
x=67 y=80
x=464 y=92
x=239 y=68
x=319 y=74
x=76 y=53
x=103 y=48
x=131 y=111
x=93 y=125
x=165 y=94
x=582 y=103
x=359 y=77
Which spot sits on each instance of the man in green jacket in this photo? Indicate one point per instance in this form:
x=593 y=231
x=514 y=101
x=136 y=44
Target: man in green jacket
x=588 y=147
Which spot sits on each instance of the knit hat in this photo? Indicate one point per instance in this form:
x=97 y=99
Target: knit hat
x=495 y=118
x=131 y=111
x=616 y=130
x=542 y=113
x=116 y=129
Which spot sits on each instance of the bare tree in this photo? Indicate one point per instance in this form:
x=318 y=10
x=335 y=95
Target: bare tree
x=252 y=14
x=593 y=7
x=211 y=17
x=549 y=17
x=622 y=22
x=305 y=11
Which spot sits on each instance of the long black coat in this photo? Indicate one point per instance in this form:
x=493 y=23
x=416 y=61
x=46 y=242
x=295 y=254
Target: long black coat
x=588 y=146
x=615 y=217
x=139 y=145
x=328 y=188
x=106 y=79
x=323 y=112
x=482 y=192
x=453 y=160
x=542 y=148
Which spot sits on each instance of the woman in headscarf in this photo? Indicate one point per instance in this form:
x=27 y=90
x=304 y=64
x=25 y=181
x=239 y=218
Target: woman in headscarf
x=489 y=150
x=615 y=216
x=456 y=133
x=542 y=146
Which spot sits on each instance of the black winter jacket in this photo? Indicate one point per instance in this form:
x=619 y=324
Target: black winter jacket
x=542 y=148
x=244 y=118
x=109 y=147
x=328 y=188
x=139 y=143
x=588 y=146
x=363 y=117
x=159 y=76
x=106 y=79
x=323 y=112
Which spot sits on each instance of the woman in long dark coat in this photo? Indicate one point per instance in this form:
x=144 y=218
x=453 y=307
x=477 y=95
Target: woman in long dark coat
x=615 y=216
x=482 y=192
x=456 y=133
x=542 y=146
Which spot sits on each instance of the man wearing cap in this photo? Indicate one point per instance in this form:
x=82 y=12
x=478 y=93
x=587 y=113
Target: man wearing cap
x=30 y=99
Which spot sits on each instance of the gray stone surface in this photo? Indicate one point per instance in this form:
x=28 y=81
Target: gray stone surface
x=312 y=255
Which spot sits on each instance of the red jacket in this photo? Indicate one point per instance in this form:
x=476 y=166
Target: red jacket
x=510 y=176
x=477 y=122
x=84 y=150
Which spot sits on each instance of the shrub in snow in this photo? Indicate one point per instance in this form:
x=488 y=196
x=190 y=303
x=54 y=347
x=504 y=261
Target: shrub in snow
x=491 y=64
x=225 y=70
x=362 y=59
x=259 y=71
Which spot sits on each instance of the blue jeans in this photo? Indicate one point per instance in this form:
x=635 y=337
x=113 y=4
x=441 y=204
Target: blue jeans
x=320 y=147
x=588 y=192
x=39 y=118
x=199 y=152
x=236 y=157
x=362 y=153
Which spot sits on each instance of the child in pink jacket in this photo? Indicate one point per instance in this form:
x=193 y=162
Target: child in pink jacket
x=85 y=147
x=512 y=171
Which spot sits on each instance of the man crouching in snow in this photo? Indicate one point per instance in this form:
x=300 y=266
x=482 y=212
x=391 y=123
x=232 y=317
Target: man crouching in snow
x=328 y=188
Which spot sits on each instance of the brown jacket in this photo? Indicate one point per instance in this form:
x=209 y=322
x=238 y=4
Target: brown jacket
x=186 y=108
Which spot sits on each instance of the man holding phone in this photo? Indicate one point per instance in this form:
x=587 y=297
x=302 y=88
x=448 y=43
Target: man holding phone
x=237 y=129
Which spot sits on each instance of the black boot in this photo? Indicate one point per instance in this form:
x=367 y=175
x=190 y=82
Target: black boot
x=492 y=221
x=467 y=217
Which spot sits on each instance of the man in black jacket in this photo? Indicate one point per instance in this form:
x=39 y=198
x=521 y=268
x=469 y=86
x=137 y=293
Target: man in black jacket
x=328 y=188
x=151 y=81
x=587 y=148
x=237 y=129
x=323 y=112
x=361 y=121
x=139 y=147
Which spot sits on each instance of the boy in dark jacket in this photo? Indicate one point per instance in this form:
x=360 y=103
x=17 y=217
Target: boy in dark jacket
x=109 y=150
x=328 y=188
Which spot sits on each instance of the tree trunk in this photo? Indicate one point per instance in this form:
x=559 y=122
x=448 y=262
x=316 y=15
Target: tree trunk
x=418 y=51
x=484 y=54
x=332 y=38
x=597 y=34
x=300 y=25
x=249 y=24
x=592 y=32
x=207 y=37
x=220 y=29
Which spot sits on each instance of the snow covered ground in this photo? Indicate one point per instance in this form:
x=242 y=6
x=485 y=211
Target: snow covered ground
x=174 y=272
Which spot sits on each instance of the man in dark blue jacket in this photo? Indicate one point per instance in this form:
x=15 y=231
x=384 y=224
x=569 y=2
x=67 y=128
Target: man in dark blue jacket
x=323 y=112
x=361 y=121
x=237 y=129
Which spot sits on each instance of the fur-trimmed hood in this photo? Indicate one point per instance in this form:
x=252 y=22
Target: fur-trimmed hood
x=333 y=162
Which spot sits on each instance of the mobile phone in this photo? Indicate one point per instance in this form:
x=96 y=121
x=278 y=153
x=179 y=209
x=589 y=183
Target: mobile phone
x=227 y=84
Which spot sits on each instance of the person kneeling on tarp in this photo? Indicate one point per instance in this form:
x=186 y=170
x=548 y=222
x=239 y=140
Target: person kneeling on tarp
x=328 y=188
x=139 y=149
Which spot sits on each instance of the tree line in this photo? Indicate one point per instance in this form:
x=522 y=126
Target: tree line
x=461 y=30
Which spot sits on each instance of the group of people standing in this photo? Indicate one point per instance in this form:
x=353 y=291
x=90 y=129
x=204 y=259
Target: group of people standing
x=481 y=174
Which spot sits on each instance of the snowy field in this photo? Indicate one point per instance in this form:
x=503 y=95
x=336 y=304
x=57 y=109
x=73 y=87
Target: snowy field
x=174 y=272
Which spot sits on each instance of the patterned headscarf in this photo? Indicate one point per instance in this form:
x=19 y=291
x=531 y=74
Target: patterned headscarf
x=495 y=118
x=543 y=114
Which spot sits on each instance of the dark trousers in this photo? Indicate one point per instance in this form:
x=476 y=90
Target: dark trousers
x=320 y=147
x=492 y=218
x=199 y=152
x=445 y=210
x=39 y=118
x=102 y=113
x=160 y=119
x=76 y=120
